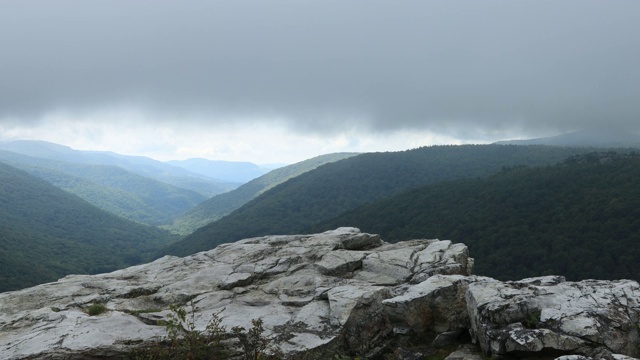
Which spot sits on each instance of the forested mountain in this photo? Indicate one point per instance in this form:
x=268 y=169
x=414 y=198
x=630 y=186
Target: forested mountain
x=112 y=188
x=223 y=204
x=140 y=165
x=599 y=137
x=580 y=218
x=229 y=171
x=46 y=233
x=331 y=189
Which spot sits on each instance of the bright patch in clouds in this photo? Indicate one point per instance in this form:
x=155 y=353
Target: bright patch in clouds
x=261 y=141
x=281 y=81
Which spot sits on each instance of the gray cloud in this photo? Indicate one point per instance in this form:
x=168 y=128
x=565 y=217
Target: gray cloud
x=457 y=67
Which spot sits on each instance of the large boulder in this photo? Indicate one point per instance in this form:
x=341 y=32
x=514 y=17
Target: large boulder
x=436 y=305
x=311 y=292
x=550 y=316
x=540 y=317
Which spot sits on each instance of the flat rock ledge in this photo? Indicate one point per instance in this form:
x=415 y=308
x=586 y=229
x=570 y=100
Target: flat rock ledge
x=341 y=291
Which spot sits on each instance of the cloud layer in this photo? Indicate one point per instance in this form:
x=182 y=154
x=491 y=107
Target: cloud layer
x=467 y=69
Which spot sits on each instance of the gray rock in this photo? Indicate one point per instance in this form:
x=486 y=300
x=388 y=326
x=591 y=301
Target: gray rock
x=340 y=262
x=341 y=290
x=434 y=305
x=393 y=266
x=550 y=315
x=359 y=241
x=465 y=352
x=310 y=291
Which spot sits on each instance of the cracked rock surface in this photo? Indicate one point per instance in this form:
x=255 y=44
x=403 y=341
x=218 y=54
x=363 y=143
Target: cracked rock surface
x=310 y=290
x=595 y=319
x=341 y=290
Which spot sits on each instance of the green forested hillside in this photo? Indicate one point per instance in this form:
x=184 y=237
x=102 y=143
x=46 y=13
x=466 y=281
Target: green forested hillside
x=332 y=189
x=223 y=204
x=112 y=188
x=580 y=219
x=46 y=233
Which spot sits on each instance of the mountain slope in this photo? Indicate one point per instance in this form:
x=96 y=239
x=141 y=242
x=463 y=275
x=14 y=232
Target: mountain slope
x=223 y=204
x=140 y=165
x=112 y=188
x=332 y=189
x=580 y=219
x=46 y=233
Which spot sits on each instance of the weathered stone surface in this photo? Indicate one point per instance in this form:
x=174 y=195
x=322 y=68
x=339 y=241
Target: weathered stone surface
x=360 y=242
x=340 y=262
x=434 y=305
x=550 y=315
x=340 y=290
x=309 y=290
x=582 y=357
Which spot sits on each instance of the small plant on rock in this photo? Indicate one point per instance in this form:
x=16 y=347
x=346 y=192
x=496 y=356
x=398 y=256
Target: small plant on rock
x=187 y=342
x=95 y=309
x=253 y=343
x=533 y=319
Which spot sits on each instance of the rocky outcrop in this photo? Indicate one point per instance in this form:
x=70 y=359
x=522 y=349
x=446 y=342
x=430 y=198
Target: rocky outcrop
x=341 y=291
x=542 y=317
x=548 y=315
x=310 y=291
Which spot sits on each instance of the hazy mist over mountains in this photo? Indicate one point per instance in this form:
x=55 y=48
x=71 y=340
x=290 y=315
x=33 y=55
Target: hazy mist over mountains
x=239 y=172
x=596 y=137
x=281 y=82
x=220 y=171
x=163 y=116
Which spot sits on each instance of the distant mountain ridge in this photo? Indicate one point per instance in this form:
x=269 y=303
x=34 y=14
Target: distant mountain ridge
x=140 y=165
x=223 y=204
x=111 y=188
x=603 y=138
x=320 y=194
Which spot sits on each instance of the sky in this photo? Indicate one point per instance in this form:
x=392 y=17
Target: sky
x=274 y=81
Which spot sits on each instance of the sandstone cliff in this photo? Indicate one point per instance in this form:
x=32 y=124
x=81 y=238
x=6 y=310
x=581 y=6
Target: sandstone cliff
x=342 y=291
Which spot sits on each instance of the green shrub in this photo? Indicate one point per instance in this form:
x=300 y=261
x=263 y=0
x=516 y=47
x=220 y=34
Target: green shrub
x=95 y=309
x=533 y=319
x=187 y=342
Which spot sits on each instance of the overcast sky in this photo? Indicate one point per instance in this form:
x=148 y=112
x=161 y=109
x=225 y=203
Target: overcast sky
x=281 y=81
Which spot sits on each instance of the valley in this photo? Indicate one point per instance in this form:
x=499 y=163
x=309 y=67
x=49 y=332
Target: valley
x=522 y=209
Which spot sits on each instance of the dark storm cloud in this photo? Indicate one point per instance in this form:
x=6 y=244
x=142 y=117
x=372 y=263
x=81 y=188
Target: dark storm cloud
x=449 y=66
